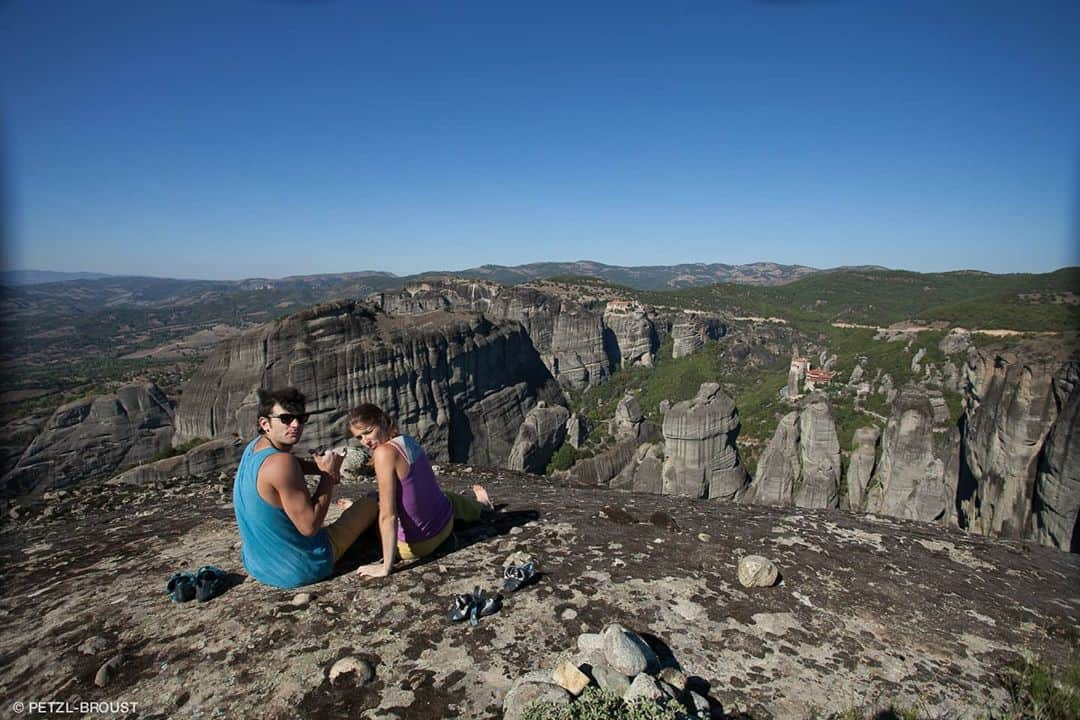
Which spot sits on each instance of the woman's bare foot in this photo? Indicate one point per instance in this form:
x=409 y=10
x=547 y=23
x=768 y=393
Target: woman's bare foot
x=482 y=496
x=344 y=503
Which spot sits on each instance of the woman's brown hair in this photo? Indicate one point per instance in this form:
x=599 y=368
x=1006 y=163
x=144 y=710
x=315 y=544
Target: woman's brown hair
x=371 y=414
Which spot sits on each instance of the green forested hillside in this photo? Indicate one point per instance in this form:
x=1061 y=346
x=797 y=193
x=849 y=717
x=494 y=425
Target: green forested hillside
x=1046 y=302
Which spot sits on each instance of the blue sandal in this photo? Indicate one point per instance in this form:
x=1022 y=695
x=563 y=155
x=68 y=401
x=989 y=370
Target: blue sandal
x=460 y=608
x=515 y=577
x=181 y=587
x=210 y=582
x=483 y=605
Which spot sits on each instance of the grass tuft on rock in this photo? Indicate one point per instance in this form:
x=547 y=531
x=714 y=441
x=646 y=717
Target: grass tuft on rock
x=597 y=704
x=1038 y=693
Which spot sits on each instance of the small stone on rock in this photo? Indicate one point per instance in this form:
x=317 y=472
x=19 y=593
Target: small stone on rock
x=360 y=670
x=568 y=614
x=622 y=653
x=704 y=537
x=757 y=571
x=94 y=645
x=107 y=671
x=643 y=688
x=609 y=679
x=300 y=599
x=569 y=677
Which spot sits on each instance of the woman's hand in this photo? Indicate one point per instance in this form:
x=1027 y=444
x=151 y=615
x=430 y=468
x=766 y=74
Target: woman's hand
x=373 y=570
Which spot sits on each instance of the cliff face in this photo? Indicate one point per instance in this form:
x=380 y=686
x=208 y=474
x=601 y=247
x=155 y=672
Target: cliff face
x=538 y=438
x=1057 y=483
x=778 y=467
x=568 y=337
x=819 y=453
x=632 y=334
x=578 y=345
x=913 y=480
x=94 y=438
x=700 y=456
x=801 y=465
x=861 y=467
x=458 y=382
x=1018 y=478
x=690 y=332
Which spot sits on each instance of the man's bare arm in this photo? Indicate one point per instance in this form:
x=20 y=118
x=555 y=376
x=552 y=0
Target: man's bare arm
x=307 y=512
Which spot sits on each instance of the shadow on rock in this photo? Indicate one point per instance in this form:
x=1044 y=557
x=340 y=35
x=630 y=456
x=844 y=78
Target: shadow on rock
x=367 y=548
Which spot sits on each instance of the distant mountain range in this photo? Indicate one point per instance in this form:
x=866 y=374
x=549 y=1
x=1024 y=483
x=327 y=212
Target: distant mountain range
x=13 y=278
x=644 y=277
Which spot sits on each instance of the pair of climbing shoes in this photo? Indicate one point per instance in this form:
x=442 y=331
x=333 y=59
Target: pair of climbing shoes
x=474 y=606
x=208 y=582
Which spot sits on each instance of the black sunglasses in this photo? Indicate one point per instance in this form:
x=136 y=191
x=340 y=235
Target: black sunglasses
x=287 y=418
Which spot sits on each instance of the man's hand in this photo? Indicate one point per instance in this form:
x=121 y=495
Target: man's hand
x=373 y=570
x=329 y=463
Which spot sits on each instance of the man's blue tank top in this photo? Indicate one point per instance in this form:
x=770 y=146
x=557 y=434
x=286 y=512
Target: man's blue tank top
x=274 y=551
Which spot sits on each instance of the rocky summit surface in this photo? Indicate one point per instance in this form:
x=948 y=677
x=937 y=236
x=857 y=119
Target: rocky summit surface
x=866 y=611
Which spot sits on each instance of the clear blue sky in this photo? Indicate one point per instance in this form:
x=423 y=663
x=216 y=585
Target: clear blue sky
x=263 y=138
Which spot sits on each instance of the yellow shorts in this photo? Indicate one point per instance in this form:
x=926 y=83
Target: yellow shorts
x=465 y=509
x=352 y=523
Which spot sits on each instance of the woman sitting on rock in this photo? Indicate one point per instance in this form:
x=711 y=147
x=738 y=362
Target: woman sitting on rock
x=415 y=515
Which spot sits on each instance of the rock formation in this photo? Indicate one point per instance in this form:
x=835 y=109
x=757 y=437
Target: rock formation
x=643 y=473
x=94 y=438
x=208 y=459
x=578 y=359
x=700 y=457
x=1057 y=483
x=801 y=464
x=458 y=382
x=778 y=467
x=819 y=454
x=1015 y=400
x=691 y=331
x=538 y=438
x=912 y=480
x=569 y=337
x=628 y=416
x=575 y=431
x=633 y=332
x=957 y=341
x=861 y=467
x=620 y=458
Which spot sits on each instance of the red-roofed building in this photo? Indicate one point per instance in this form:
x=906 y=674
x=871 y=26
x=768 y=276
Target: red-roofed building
x=817 y=377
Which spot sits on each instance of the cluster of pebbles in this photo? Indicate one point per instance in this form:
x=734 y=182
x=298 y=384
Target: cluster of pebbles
x=617 y=660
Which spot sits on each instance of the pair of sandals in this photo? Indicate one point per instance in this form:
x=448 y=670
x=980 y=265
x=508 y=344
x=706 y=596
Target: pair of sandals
x=206 y=583
x=479 y=604
x=474 y=606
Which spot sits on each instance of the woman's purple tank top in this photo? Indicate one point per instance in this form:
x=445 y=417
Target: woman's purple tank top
x=423 y=509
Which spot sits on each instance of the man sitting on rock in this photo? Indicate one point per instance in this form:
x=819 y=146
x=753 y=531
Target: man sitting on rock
x=281 y=523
